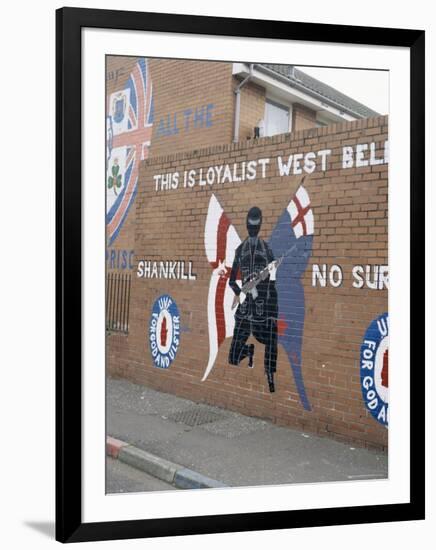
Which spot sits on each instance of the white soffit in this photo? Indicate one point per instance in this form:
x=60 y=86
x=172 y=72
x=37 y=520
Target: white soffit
x=282 y=92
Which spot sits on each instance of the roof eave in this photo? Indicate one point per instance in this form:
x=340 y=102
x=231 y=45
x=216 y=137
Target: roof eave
x=300 y=86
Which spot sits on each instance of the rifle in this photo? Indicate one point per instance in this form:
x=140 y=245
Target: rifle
x=251 y=285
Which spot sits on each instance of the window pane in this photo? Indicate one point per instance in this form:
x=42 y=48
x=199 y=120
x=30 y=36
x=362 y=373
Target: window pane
x=276 y=119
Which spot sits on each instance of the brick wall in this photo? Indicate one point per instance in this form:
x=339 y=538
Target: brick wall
x=349 y=207
x=302 y=117
x=252 y=108
x=118 y=69
x=193 y=103
x=193 y=106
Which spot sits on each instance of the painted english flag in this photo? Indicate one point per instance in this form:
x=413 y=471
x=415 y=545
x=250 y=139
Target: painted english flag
x=220 y=241
x=301 y=213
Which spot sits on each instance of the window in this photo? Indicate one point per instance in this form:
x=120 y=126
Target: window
x=276 y=118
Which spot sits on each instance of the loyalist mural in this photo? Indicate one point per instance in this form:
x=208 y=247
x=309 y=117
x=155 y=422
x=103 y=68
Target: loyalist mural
x=128 y=127
x=164 y=331
x=259 y=270
x=374 y=374
x=262 y=281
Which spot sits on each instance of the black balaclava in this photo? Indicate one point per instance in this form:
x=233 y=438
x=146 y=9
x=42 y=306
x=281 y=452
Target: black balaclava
x=254 y=221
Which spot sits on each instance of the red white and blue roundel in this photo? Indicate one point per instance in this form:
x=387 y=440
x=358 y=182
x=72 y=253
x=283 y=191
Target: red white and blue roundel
x=128 y=136
x=164 y=331
x=374 y=369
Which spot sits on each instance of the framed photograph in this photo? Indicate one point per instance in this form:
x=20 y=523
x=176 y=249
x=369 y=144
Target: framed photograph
x=240 y=249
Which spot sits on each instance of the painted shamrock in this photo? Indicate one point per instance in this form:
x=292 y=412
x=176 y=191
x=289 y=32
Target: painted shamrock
x=114 y=181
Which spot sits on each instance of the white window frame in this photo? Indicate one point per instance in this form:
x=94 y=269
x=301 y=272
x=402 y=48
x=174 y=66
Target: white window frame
x=278 y=101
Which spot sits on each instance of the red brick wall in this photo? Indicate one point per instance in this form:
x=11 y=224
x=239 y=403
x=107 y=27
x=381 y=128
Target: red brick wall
x=302 y=117
x=193 y=106
x=350 y=219
x=252 y=108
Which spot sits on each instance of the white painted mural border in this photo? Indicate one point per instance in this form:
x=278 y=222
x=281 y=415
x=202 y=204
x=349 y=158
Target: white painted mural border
x=100 y=507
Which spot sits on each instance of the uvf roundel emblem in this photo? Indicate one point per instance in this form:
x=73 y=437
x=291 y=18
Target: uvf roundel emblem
x=374 y=364
x=164 y=331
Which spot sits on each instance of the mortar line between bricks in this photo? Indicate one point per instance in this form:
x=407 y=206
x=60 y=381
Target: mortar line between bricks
x=165 y=470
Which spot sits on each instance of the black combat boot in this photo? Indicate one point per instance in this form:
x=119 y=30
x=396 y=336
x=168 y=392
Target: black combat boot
x=270 y=378
x=251 y=356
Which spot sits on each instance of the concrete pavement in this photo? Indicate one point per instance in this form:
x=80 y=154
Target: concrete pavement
x=233 y=449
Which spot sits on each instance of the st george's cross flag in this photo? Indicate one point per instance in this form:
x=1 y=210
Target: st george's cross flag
x=220 y=241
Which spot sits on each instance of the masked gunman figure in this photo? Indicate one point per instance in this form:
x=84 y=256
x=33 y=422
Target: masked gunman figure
x=257 y=309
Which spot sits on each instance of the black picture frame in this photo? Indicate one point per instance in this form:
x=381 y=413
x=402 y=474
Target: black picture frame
x=69 y=525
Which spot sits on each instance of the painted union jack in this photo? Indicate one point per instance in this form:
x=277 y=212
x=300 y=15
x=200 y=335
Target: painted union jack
x=291 y=239
x=129 y=127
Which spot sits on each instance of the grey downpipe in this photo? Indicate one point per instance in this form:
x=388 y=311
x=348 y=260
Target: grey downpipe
x=238 y=104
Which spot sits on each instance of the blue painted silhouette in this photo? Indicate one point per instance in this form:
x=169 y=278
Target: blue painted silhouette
x=291 y=294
